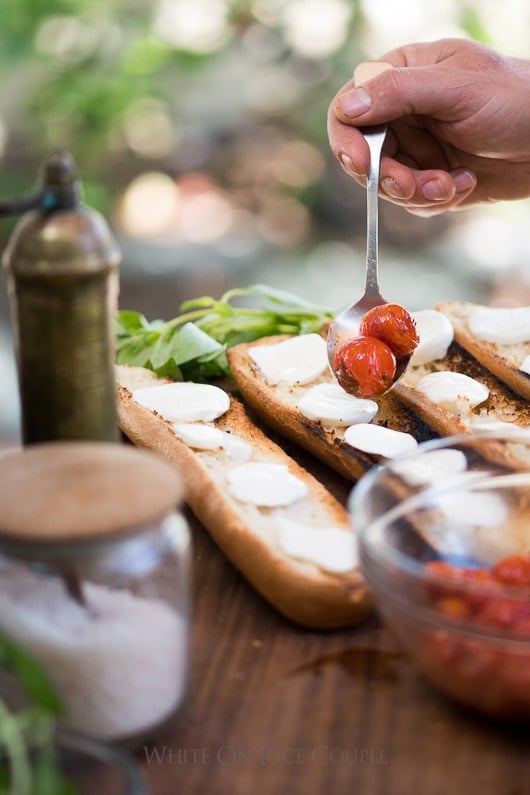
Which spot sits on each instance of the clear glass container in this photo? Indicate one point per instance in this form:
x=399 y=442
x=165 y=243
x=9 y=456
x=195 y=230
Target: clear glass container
x=444 y=537
x=96 y=584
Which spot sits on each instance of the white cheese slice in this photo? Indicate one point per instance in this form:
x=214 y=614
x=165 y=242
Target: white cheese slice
x=266 y=485
x=524 y=367
x=330 y=548
x=499 y=426
x=332 y=405
x=472 y=524
x=453 y=391
x=378 y=440
x=436 y=333
x=183 y=401
x=199 y=436
x=430 y=467
x=474 y=508
x=503 y=325
x=298 y=360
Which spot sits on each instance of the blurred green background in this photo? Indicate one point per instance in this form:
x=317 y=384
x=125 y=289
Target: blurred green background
x=199 y=129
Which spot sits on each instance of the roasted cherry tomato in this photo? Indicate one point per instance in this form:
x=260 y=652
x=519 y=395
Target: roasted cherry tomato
x=365 y=367
x=392 y=324
x=514 y=570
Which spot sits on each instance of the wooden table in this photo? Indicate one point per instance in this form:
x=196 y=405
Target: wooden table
x=274 y=709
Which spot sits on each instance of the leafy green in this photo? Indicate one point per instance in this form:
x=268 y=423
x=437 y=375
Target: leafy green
x=193 y=345
x=34 y=680
x=28 y=761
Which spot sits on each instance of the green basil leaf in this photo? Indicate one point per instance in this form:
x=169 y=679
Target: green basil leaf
x=193 y=345
x=33 y=677
x=129 y=322
x=184 y=344
x=137 y=350
x=197 y=303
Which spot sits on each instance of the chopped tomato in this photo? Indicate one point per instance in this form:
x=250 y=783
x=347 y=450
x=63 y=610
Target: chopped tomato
x=514 y=570
x=488 y=674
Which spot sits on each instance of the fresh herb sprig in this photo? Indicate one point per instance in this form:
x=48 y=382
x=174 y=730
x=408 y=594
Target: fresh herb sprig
x=28 y=759
x=193 y=345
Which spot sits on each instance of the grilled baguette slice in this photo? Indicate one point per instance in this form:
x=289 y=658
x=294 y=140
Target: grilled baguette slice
x=502 y=405
x=301 y=590
x=277 y=406
x=502 y=360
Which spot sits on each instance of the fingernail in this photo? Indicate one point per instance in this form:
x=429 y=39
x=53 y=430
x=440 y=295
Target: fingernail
x=347 y=162
x=391 y=188
x=435 y=191
x=356 y=102
x=464 y=180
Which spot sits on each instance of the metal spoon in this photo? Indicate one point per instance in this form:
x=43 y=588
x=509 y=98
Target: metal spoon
x=346 y=325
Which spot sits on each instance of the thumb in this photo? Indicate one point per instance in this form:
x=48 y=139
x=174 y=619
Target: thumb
x=397 y=92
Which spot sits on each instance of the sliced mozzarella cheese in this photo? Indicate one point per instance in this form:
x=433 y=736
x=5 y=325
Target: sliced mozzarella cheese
x=264 y=484
x=436 y=333
x=298 y=360
x=498 y=426
x=205 y=437
x=378 y=440
x=524 y=367
x=503 y=325
x=330 y=548
x=430 y=467
x=184 y=401
x=331 y=405
x=474 y=508
x=471 y=524
x=453 y=391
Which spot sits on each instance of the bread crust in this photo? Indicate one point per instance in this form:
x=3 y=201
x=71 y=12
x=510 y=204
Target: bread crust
x=301 y=591
x=489 y=354
x=502 y=405
x=326 y=443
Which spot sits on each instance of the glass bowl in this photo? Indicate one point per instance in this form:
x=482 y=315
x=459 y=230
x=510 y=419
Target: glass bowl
x=444 y=537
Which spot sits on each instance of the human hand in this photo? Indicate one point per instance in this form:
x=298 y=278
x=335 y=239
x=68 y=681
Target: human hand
x=459 y=126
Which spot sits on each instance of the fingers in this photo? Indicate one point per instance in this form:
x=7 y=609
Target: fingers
x=442 y=84
x=417 y=173
x=420 y=191
x=433 y=192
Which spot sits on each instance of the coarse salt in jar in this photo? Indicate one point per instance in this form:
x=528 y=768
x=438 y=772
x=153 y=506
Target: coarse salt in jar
x=94 y=581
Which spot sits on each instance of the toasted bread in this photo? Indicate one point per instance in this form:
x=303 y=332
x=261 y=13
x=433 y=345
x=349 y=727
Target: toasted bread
x=502 y=405
x=277 y=406
x=306 y=593
x=501 y=359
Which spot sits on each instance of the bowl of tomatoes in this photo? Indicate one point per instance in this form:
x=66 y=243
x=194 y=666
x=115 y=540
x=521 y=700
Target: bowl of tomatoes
x=444 y=537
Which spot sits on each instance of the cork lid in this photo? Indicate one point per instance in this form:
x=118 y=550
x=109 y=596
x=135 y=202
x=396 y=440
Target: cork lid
x=66 y=491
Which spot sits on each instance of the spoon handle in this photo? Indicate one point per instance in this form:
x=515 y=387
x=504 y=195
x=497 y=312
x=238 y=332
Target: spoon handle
x=375 y=137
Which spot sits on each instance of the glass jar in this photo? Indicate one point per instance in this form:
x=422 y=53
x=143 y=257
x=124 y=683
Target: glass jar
x=94 y=581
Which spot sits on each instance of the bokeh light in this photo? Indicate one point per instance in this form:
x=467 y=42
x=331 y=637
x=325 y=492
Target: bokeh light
x=317 y=28
x=195 y=25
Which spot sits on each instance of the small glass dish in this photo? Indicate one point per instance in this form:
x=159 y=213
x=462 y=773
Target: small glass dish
x=444 y=538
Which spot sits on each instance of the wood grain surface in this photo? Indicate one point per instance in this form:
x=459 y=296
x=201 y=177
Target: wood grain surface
x=273 y=709
x=276 y=710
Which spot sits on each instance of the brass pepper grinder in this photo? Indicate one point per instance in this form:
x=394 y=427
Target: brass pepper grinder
x=62 y=264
